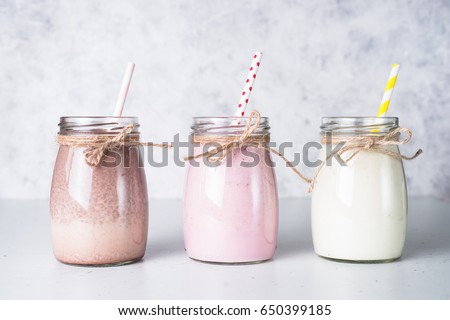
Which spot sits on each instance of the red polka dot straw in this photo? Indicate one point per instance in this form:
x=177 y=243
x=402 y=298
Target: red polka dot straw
x=248 y=86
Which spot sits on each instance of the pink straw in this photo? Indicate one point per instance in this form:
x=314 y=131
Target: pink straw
x=124 y=90
x=248 y=86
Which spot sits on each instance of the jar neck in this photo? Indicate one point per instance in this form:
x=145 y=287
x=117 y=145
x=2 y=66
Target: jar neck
x=97 y=125
x=222 y=126
x=358 y=126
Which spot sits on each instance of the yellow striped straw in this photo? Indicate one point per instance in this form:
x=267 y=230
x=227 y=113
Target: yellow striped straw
x=388 y=91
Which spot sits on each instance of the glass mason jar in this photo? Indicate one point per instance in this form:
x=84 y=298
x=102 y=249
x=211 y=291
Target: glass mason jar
x=359 y=210
x=99 y=214
x=230 y=207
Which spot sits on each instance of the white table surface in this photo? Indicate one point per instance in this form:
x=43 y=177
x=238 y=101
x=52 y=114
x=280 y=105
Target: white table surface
x=28 y=269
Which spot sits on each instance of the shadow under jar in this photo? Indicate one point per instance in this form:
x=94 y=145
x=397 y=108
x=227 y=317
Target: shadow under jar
x=359 y=210
x=99 y=214
x=230 y=207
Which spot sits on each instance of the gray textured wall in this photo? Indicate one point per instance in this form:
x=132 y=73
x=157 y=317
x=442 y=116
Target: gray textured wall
x=321 y=58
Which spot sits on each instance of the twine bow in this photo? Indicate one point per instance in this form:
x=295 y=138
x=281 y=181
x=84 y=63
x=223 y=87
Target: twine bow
x=367 y=143
x=97 y=145
x=227 y=143
x=94 y=155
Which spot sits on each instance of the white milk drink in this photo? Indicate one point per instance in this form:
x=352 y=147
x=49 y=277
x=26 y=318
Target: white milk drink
x=359 y=210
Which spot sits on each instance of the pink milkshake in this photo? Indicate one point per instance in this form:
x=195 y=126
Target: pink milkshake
x=99 y=215
x=231 y=211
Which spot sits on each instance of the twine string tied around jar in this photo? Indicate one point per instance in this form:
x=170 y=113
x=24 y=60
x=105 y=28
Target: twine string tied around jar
x=247 y=138
x=357 y=144
x=97 y=144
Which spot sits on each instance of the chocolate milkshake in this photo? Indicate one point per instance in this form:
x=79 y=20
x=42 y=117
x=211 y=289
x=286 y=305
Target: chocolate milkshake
x=99 y=214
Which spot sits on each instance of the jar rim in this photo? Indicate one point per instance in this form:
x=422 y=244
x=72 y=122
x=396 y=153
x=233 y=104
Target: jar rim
x=380 y=119
x=225 y=118
x=223 y=125
x=96 y=124
x=360 y=125
x=98 y=117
